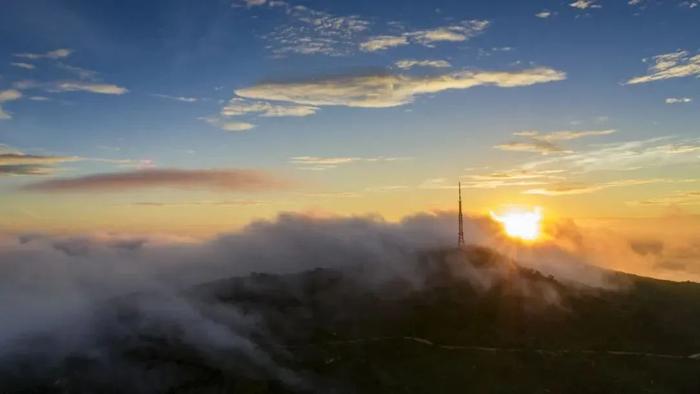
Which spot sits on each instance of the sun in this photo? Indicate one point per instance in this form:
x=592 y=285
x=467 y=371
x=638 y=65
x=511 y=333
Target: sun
x=521 y=223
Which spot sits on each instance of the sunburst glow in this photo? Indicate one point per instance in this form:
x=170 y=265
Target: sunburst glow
x=521 y=224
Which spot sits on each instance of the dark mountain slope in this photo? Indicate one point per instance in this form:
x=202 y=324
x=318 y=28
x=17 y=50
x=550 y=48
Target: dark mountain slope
x=456 y=321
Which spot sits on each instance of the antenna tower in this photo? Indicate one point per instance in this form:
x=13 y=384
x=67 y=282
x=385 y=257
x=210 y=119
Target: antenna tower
x=460 y=233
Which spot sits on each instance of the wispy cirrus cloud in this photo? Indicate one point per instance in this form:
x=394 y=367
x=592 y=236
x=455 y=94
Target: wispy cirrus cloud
x=411 y=63
x=55 y=54
x=80 y=72
x=533 y=145
x=680 y=198
x=564 y=135
x=544 y=143
x=557 y=176
x=511 y=178
x=317 y=163
x=625 y=156
x=669 y=65
x=26 y=66
x=183 y=99
x=238 y=180
x=26 y=84
x=678 y=100
x=90 y=86
x=567 y=189
x=388 y=90
x=459 y=32
x=386 y=188
x=238 y=107
x=197 y=203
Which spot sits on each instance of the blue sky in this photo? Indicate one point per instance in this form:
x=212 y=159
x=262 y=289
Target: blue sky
x=349 y=97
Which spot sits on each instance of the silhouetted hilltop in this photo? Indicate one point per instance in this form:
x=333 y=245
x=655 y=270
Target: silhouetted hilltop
x=455 y=321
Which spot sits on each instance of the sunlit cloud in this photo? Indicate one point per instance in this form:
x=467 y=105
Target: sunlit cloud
x=255 y=3
x=386 y=90
x=9 y=95
x=669 y=65
x=585 y=4
x=55 y=54
x=334 y=161
x=79 y=86
x=380 y=43
x=228 y=125
x=453 y=33
x=14 y=162
x=5 y=96
x=71 y=86
x=25 y=159
x=238 y=106
x=411 y=63
x=543 y=14
x=241 y=180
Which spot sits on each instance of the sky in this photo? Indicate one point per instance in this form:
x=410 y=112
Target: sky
x=199 y=117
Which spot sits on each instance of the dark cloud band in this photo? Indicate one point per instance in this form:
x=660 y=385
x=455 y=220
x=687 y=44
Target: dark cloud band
x=217 y=179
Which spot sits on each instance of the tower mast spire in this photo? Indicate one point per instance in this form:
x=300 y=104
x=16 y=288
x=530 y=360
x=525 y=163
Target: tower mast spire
x=460 y=233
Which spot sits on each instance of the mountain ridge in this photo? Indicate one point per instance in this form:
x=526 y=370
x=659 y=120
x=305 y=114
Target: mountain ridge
x=360 y=329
